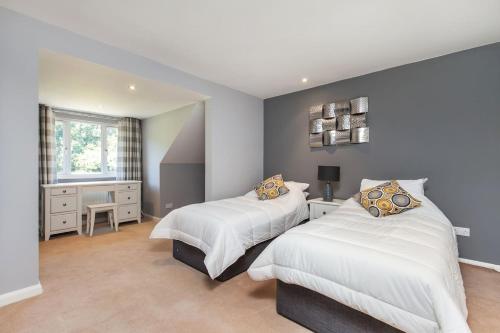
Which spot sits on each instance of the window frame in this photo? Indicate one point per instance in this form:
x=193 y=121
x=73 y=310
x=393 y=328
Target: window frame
x=66 y=172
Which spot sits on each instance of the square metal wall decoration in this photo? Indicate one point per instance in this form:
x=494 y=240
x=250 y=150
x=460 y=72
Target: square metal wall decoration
x=329 y=124
x=358 y=120
x=316 y=140
x=316 y=112
x=315 y=126
x=339 y=122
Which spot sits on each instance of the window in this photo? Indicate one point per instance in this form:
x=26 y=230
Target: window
x=85 y=149
x=111 y=148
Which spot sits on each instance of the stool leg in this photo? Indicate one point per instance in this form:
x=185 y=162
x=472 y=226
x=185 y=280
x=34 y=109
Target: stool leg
x=88 y=221
x=110 y=219
x=115 y=217
x=92 y=221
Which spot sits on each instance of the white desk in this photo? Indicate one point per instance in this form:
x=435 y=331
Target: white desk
x=63 y=203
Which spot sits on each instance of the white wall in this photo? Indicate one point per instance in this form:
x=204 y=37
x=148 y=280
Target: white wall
x=18 y=156
x=234 y=131
x=234 y=141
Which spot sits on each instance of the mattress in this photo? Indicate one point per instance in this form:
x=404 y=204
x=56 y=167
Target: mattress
x=225 y=229
x=401 y=269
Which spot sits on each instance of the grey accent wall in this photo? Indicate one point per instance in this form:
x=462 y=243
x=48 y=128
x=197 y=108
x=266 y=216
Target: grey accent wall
x=182 y=172
x=438 y=118
x=158 y=135
x=21 y=38
x=181 y=184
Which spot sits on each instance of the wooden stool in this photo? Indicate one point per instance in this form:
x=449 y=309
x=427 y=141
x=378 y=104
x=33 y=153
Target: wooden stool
x=112 y=210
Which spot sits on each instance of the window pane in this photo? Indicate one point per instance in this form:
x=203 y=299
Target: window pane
x=85 y=148
x=112 y=148
x=59 y=146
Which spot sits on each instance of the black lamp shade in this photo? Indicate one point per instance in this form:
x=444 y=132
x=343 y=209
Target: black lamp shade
x=328 y=173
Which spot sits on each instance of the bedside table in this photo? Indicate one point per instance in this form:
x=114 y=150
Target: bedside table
x=318 y=207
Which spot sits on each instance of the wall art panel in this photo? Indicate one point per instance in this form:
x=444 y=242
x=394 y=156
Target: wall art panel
x=339 y=122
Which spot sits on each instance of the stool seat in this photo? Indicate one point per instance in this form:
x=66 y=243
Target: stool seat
x=110 y=207
x=102 y=206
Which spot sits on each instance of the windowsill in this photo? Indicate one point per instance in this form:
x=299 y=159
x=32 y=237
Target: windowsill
x=84 y=178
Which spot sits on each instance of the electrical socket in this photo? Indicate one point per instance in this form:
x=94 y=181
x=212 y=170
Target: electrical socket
x=459 y=231
x=169 y=205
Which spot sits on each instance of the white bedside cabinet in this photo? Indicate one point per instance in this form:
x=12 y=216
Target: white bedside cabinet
x=318 y=207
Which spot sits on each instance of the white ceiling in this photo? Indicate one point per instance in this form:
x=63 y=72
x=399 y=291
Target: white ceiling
x=74 y=84
x=265 y=47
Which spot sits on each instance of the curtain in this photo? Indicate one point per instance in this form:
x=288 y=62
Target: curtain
x=46 y=154
x=129 y=164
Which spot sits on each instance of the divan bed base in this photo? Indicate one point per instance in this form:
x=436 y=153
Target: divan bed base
x=194 y=257
x=322 y=314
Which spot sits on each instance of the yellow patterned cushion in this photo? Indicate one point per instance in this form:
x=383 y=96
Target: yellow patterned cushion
x=387 y=199
x=271 y=188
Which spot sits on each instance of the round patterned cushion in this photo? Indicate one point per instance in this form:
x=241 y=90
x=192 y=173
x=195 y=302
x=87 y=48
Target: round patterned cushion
x=387 y=199
x=271 y=188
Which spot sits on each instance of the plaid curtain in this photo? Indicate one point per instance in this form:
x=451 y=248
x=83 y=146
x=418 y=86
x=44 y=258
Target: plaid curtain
x=129 y=163
x=46 y=154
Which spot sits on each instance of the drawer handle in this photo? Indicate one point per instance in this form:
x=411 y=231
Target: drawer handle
x=128 y=198
x=64 y=222
x=64 y=204
x=64 y=191
x=129 y=212
x=128 y=187
x=324 y=213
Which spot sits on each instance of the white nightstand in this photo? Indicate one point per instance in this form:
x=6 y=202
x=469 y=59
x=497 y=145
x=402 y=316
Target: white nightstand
x=318 y=207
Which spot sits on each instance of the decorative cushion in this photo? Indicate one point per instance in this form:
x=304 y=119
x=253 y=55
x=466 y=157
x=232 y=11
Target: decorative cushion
x=387 y=199
x=271 y=188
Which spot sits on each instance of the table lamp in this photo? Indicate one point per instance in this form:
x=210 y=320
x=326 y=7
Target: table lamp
x=329 y=174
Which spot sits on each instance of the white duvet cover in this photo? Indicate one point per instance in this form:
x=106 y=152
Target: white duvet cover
x=225 y=229
x=401 y=269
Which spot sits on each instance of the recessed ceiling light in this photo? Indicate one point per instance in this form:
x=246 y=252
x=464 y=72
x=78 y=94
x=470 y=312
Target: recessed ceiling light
x=305 y=79
x=131 y=87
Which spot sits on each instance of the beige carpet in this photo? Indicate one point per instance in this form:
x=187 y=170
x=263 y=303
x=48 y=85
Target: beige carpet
x=124 y=282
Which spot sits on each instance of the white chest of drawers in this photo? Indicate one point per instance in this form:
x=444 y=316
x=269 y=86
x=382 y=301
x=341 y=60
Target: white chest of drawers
x=63 y=209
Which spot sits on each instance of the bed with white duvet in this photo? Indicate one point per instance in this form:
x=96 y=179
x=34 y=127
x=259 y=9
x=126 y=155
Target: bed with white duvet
x=401 y=269
x=225 y=229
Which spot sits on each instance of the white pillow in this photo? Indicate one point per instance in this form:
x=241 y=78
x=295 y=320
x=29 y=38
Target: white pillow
x=301 y=186
x=414 y=187
x=251 y=194
x=306 y=194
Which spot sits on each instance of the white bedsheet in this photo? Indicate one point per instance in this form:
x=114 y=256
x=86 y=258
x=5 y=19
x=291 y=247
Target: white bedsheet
x=401 y=269
x=225 y=229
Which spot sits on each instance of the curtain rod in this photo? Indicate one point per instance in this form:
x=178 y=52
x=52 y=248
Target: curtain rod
x=85 y=114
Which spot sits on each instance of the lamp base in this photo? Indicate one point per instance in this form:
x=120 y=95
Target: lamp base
x=328 y=192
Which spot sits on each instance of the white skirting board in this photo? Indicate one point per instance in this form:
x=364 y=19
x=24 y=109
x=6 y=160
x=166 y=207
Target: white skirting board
x=154 y=218
x=20 y=294
x=480 y=264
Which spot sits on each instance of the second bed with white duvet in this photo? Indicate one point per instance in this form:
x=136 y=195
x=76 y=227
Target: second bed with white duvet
x=401 y=269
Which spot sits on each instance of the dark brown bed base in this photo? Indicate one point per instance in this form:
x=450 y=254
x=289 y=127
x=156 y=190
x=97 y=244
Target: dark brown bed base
x=322 y=314
x=194 y=257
